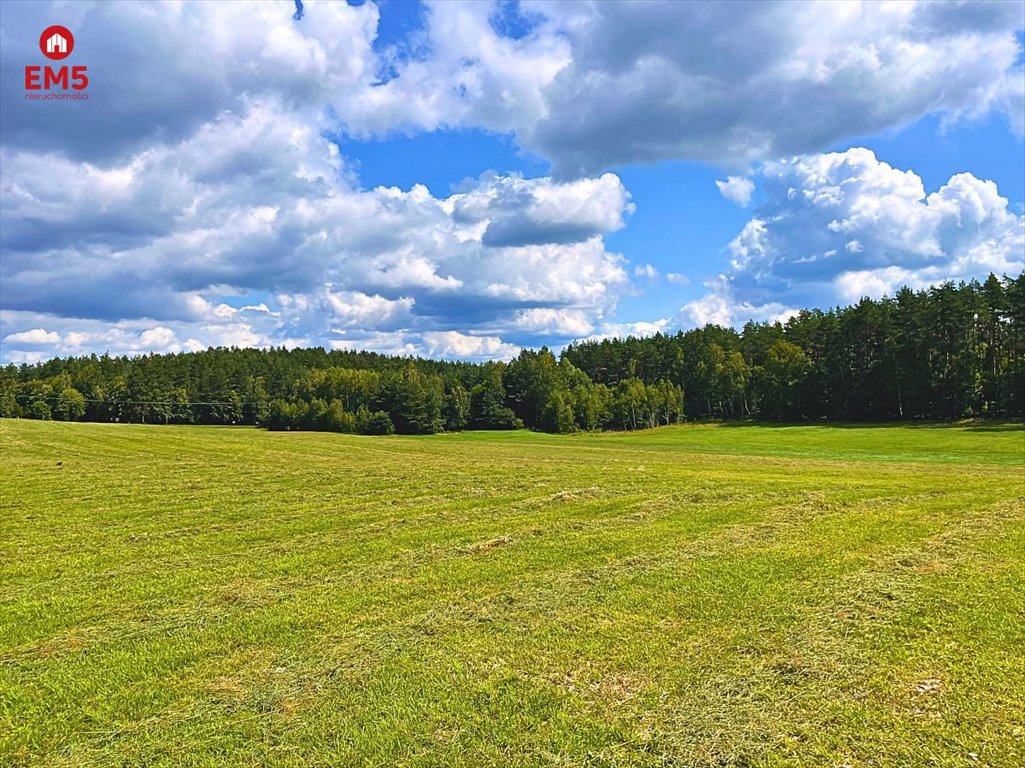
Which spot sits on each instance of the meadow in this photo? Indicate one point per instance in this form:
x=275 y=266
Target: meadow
x=701 y=595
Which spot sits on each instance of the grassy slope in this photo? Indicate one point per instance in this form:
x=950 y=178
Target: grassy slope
x=686 y=596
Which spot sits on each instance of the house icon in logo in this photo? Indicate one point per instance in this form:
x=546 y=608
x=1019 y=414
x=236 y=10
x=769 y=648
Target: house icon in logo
x=56 y=43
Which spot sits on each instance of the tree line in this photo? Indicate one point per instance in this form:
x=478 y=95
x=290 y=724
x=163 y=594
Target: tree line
x=949 y=352
x=952 y=351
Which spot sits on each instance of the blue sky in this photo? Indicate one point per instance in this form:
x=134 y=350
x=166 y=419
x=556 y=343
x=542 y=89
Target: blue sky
x=464 y=179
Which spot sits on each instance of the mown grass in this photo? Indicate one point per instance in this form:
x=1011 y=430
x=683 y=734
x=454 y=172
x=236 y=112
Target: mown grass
x=691 y=596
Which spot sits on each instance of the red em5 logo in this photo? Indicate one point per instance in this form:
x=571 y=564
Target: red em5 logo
x=56 y=42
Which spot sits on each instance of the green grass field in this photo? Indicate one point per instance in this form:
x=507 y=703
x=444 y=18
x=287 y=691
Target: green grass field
x=689 y=596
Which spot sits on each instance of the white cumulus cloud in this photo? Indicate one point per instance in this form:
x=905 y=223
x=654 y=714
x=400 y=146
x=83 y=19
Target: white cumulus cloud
x=34 y=337
x=737 y=189
x=256 y=204
x=838 y=226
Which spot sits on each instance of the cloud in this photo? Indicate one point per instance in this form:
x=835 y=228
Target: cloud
x=158 y=71
x=354 y=309
x=677 y=279
x=465 y=73
x=256 y=203
x=515 y=211
x=461 y=345
x=568 y=323
x=839 y=226
x=636 y=329
x=719 y=308
x=646 y=270
x=158 y=338
x=197 y=198
x=851 y=286
x=434 y=344
x=35 y=337
x=737 y=188
x=712 y=309
x=79 y=336
x=737 y=82
x=588 y=86
x=591 y=86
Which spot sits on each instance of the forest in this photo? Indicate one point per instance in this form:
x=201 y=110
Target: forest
x=949 y=352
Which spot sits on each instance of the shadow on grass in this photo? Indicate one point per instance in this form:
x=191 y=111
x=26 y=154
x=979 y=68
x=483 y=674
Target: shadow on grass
x=968 y=426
